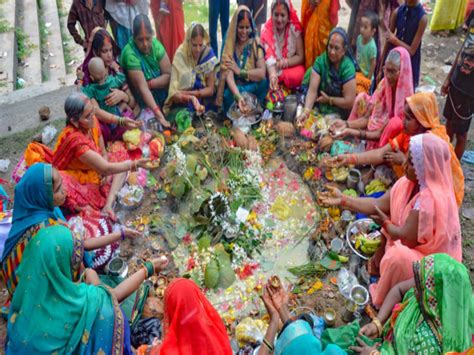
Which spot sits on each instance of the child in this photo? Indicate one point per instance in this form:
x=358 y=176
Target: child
x=90 y=14
x=366 y=50
x=459 y=86
x=407 y=25
x=102 y=85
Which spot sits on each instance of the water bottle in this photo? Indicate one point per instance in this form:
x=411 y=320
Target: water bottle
x=345 y=281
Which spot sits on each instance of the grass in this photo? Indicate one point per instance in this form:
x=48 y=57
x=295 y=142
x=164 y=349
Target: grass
x=5 y=26
x=24 y=45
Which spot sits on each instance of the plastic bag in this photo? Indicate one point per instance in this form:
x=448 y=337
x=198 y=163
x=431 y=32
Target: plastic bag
x=250 y=331
x=48 y=134
x=4 y=164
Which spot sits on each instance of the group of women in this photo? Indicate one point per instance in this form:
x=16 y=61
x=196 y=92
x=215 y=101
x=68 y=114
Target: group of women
x=42 y=261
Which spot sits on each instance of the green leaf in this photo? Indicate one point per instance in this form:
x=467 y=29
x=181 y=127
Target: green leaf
x=178 y=187
x=191 y=163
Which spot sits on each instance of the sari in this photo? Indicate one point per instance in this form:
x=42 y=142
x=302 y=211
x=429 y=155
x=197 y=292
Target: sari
x=149 y=64
x=448 y=15
x=82 y=184
x=191 y=324
x=186 y=72
x=52 y=313
x=248 y=60
x=84 y=67
x=33 y=210
x=435 y=317
x=317 y=22
x=384 y=114
x=283 y=47
x=439 y=229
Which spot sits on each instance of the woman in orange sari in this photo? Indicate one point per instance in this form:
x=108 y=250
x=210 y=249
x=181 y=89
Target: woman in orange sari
x=81 y=157
x=419 y=215
x=318 y=18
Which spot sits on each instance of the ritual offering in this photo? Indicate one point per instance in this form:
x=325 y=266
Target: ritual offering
x=364 y=237
x=330 y=317
x=130 y=196
x=275 y=282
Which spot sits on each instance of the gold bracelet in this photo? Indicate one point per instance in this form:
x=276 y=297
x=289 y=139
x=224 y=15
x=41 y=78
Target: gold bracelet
x=374 y=352
x=267 y=344
x=378 y=324
x=330 y=101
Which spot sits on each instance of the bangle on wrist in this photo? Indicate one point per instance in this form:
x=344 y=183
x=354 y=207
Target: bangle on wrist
x=378 y=324
x=150 y=269
x=157 y=110
x=374 y=352
x=330 y=101
x=352 y=159
x=344 y=200
x=267 y=344
x=237 y=97
x=122 y=233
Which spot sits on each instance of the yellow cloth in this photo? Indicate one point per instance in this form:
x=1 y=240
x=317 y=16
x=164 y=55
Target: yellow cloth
x=448 y=15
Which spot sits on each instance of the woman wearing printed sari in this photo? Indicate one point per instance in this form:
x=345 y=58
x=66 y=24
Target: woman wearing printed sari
x=419 y=215
x=379 y=118
x=282 y=40
x=420 y=116
x=429 y=314
x=243 y=60
x=318 y=18
x=147 y=67
x=192 y=73
x=191 y=324
x=81 y=157
x=331 y=81
x=51 y=312
x=38 y=196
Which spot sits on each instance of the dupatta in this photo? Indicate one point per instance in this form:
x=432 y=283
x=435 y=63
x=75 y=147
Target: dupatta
x=186 y=71
x=51 y=313
x=383 y=96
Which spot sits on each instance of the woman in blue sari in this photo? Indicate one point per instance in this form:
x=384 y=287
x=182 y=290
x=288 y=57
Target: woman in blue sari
x=147 y=67
x=192 y=73
x=243 y=61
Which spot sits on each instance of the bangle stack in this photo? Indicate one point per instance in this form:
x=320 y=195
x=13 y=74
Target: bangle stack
x=149 y=269
x=331 y=101
x=237 y=97
x=120 y=121
x=344 y=201
x=267 y=344
x=244 y=75
x=352 y=159
x=378 y=324
x=122 y=233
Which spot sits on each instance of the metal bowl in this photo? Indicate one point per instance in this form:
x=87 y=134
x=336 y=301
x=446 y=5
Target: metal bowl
x=360 y=223
x=359 y=295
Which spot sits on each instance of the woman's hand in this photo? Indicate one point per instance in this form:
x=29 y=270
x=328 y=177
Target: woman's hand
x=131 y=124
x=143 y=163
x=114 y=66
x=337 y=125
x=131 y=233
x=243 y=107
x=323 y=98
x=274 y=82
x=160 y=263
x=300 y=120
x=232 y=65
x=267 y=301
x=363 y=348
x=394 y=158
x=280 y=297
x=197 y=105
x=380 y=217
x=337 y=161
x=159 y=116
x=391 y=38
x=332 y=197
x=79 y=74
x=369 y=330
x=343 y=133
x=115 y=97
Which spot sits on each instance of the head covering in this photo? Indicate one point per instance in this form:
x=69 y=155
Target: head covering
x=425 y=108
x=186 y=70
x=96 y=32
x=438 y=224
x=445 y=297
x=33 y=203
x=383 y=96
x=51 y=313
x=273 y=49
x=192 y=325
x=347 y=45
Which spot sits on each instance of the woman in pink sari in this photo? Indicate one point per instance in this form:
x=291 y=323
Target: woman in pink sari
x=419 y=215
x=379 y=118
x=282 y=39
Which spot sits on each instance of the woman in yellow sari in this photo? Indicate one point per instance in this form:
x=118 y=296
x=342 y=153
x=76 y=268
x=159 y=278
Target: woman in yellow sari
x=319 y=17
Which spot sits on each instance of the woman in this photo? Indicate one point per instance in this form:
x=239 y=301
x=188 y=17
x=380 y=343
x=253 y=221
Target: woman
x=243 y=61
x=419 y=215
x=318 y=19
x=38 y=196
x=169 y=27
x=147 y=67
x=432 y=313
x=51 y=312
x=448 y=15
x=420 y=116
x=282 y=40
x=333 y=77
x=379 y=118
x=191 y=324
x=81 y=156
x=102 y=45
x=192 y=74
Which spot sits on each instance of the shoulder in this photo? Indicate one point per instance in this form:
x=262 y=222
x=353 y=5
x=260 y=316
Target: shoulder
x=129 y=59
x=158 y=49
x=347 y=66
x=320 y=63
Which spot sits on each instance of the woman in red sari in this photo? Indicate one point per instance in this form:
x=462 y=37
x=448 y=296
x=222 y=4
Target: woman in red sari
x=81 y=157
x=192 y=325
x=169 y=28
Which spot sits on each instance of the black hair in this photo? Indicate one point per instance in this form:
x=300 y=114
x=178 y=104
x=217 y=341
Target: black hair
x=137 y=24
x=198 y=30
x=373 y=18
x=98 y=42
x=241 y=16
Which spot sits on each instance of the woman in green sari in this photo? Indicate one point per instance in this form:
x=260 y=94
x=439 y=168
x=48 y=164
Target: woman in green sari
x=147 y=67
x=436 y=315
x=51 y=312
